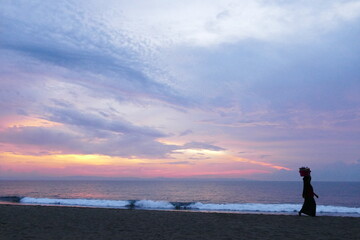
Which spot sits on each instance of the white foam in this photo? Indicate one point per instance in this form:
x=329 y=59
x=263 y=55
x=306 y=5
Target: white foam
x=258 y=207
x=149 y=204
x=250 y=207
x=76 y=202
x=337 y=209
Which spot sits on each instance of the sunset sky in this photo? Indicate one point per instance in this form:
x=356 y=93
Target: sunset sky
x=180 y=89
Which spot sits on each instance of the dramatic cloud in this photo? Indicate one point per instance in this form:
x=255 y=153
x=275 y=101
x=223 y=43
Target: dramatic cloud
x=105 y=64
x=186 y=84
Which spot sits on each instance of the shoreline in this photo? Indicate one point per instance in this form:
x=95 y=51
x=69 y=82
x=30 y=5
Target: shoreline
x=295 y=213
x=19 y=221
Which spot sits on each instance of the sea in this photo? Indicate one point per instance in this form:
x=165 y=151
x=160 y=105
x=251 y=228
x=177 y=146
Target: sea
x=230 y=196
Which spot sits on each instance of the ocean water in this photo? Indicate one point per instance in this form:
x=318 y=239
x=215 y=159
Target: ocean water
x=335 y=198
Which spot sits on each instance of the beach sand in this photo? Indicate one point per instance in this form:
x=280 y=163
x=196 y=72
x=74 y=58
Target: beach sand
x=48 y=222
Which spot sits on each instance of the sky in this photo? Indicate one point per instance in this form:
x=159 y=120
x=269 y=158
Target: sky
x=246 y=89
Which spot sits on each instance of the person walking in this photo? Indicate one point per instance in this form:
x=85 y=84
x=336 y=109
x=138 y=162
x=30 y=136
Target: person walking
x=309 y=206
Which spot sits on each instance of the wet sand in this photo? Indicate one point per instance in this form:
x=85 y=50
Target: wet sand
x=48 y=222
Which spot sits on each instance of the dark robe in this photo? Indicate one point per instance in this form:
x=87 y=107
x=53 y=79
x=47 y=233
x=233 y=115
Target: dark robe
x=309 y=206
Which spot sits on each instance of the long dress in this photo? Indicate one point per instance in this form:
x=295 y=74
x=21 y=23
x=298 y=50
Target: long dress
x=309 y=206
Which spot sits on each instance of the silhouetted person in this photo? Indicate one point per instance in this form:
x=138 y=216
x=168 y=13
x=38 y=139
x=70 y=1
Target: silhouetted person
x=309 y=206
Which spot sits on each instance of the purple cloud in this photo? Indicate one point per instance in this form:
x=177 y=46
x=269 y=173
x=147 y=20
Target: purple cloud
x=202 y=145
x=69 y=142
x=94 y=122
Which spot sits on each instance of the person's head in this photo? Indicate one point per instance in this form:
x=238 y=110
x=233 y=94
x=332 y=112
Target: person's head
x=304 y=171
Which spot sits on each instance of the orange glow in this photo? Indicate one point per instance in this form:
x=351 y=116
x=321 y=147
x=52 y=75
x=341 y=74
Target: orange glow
x=265 y=164
x=58 y=160
x=222 y=174
x=26 y=121
x=168 y=142
x=219 y=165
x=76 y=165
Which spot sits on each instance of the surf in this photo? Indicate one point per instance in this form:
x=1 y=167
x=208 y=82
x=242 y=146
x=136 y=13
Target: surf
x=275 y=208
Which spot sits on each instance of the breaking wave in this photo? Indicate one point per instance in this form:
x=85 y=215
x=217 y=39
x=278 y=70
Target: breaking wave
x=193 y=206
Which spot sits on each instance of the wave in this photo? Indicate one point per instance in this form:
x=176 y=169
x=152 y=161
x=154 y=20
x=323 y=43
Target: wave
x=194 y=206
x=14 y=199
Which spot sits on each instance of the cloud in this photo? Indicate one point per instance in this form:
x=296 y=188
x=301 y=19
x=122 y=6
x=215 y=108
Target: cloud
x=86 y=133
x=36 y=136
x=127 y=28
x=52 y=35
x=118 y=78
x=115 y=52
x=202 y=145
x=207 y=24
x=185 y=133
x=178 y=163
x=97 y=142
x=90 y=122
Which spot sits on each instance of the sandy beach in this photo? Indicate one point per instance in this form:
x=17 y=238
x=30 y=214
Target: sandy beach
x=47 y=222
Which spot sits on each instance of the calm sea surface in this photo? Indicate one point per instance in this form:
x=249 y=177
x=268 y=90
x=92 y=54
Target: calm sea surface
x=240 y=196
